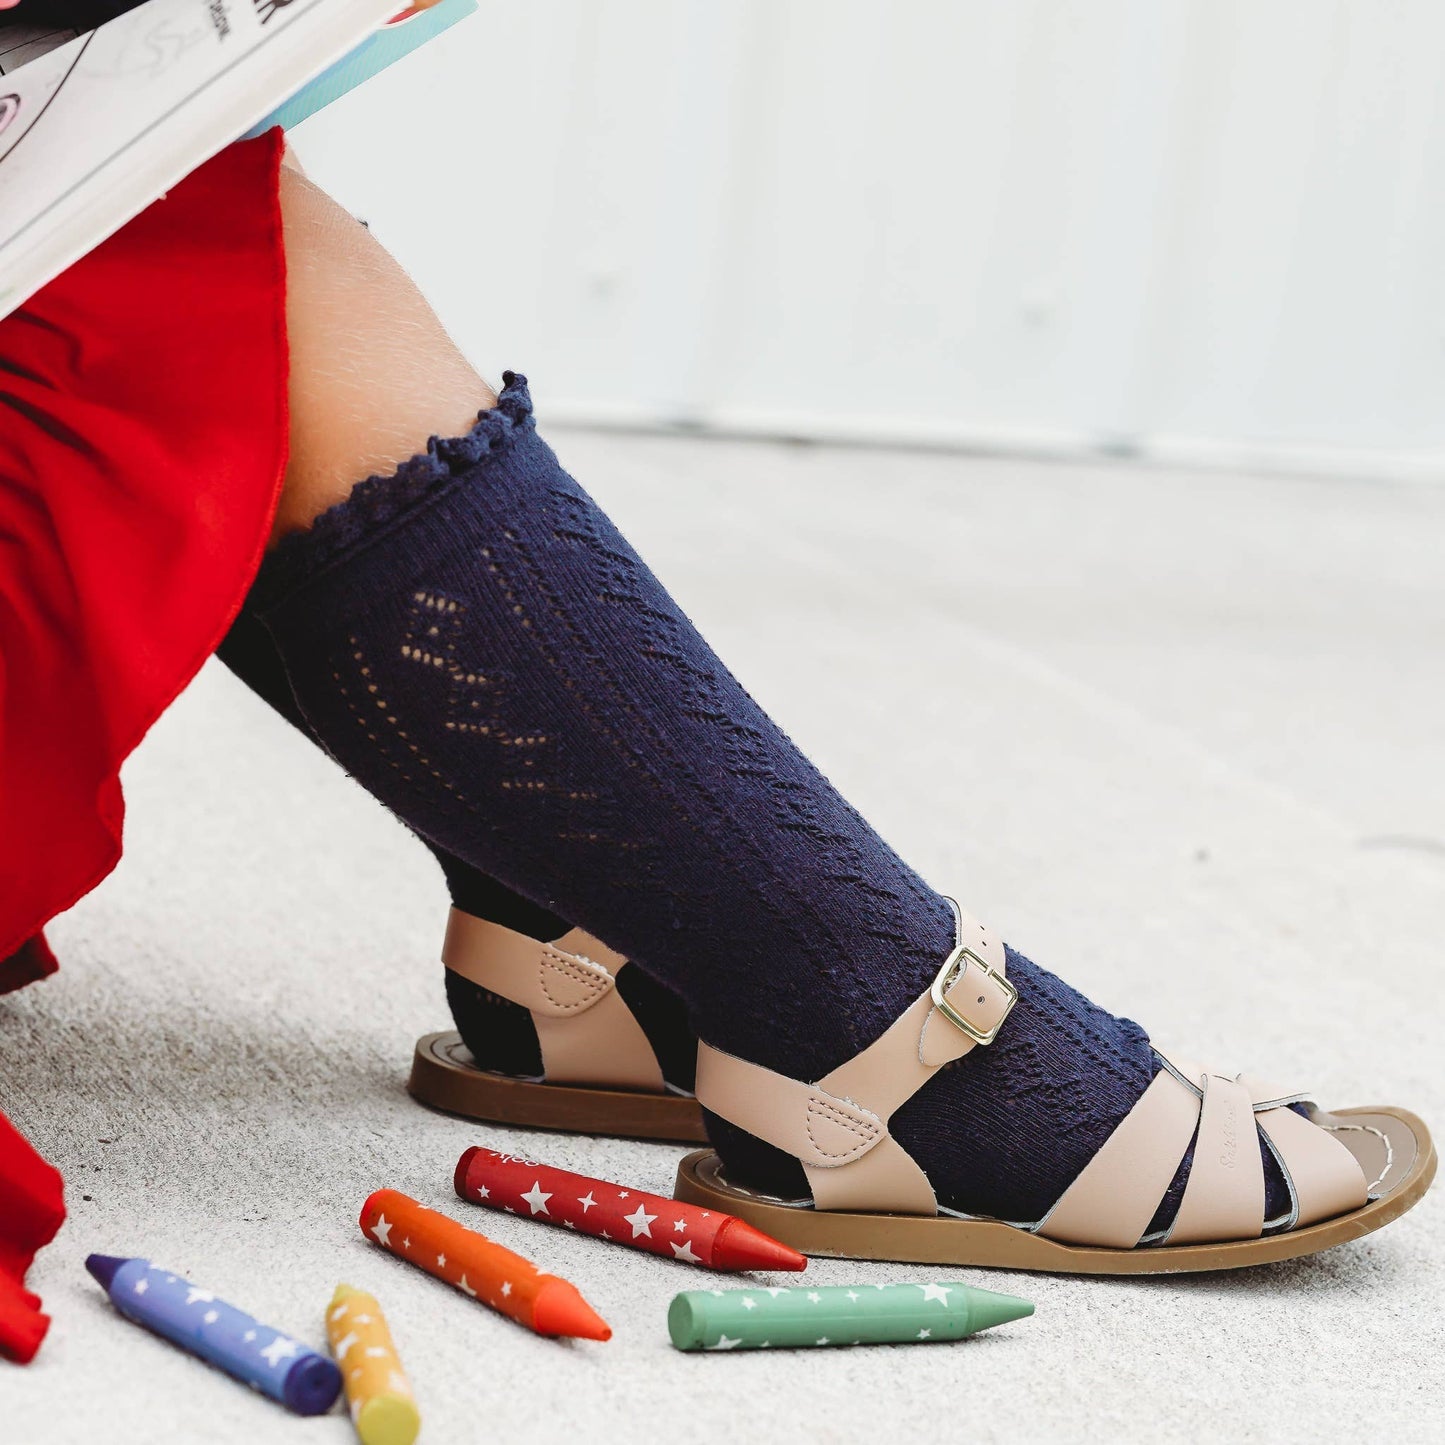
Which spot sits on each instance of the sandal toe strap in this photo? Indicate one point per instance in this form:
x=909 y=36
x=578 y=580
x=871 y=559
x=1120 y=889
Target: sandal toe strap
x=1116 y=1193
x=1115 y=1197
x=1224 y=1198
x=1324 y=1177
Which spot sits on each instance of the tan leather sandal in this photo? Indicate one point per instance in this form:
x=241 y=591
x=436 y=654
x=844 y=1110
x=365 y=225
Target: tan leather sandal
x=1348 y=1173
x=599 y=1073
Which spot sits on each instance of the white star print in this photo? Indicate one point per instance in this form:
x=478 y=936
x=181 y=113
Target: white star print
x=622 y=1194
x=587 y=1201
x=483 y=1192
x=604 y=1235
x=142 y=1285
x=249 y=1336
x=406 y=1243
x=375 y=1352
x=567 y=1224
x=748 y=1302
x=824 y=1340
x=210 y=1317
x=279 y=1349
x=193 y=1294
x=338 y=1312
x=507 y=1209
x=724 y=1343
x=925 y=1334
x=465 y=1287
x=641 y=1221
x=363 y=1319
x=344 y=1345
x=506 y=1287
x=441 y=1261
x=853 y=1295
x=678 y=1225
x=775 y=1291
x=536 y=1200
x=684 y=1252
x=382 y=1231
x=935 y=1291
x=814 y=1296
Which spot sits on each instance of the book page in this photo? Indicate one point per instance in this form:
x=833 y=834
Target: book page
x=95 y=129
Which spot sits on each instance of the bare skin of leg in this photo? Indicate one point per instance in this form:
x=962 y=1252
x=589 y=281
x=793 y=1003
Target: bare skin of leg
x=373 y=372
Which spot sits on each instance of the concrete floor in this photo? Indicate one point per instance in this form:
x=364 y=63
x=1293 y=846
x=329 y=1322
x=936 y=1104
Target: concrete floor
x=1178 y=736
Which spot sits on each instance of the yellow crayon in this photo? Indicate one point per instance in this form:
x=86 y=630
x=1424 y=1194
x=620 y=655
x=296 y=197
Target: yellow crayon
x=383 y=1408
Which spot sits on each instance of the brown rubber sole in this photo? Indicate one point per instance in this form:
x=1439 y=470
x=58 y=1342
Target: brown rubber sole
x=1408 y=1167
x=444 y=1076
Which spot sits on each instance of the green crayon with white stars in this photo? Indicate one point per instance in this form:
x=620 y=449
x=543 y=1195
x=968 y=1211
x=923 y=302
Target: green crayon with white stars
x=858 y=1314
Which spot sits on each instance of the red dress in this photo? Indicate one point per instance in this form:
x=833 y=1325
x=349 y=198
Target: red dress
x=142 y=443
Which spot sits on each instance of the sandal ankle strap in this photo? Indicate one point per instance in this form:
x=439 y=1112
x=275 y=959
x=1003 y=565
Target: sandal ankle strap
x=838 y=1127
x=586 y=1032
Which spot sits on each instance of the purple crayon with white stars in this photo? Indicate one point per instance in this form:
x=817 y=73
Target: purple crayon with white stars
x=219 y=1333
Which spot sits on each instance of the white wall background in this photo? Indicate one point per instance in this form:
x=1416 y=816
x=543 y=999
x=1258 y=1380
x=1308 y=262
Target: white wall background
x=1197 y=229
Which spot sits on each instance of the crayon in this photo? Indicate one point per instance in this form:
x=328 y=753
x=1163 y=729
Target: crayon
x=383 y=1408
x=480 y=1267
x=860 y=1314
x=218 y=1333
x=623 y=1216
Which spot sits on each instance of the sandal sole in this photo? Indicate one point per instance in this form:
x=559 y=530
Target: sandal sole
x=444 y=1077
x=988 y=1244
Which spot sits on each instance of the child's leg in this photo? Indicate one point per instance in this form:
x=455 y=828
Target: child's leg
x=473 y=640
x=500 y=1034
x=373 y=375
x=373 y=372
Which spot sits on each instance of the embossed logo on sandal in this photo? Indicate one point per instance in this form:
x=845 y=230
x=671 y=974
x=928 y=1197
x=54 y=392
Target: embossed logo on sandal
x=1229 y=1144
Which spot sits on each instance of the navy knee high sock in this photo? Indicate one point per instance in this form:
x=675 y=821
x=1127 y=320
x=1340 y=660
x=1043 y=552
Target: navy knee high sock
x=477 y=644
x=499 y=1033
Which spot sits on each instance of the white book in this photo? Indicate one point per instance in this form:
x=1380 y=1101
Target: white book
x=95 y=128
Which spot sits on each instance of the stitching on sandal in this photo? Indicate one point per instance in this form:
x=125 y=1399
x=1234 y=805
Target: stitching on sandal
x=1383 y=1137
x=570 y=968
x=866 y=1130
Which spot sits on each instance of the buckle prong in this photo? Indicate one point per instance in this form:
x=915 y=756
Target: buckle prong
x=954 y=966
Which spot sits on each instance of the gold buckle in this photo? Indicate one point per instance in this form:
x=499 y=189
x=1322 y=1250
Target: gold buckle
x=953 y=966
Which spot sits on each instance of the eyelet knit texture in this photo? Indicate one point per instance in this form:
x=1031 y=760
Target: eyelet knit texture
x=478 y=645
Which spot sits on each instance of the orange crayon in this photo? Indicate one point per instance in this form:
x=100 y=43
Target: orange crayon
x=479 y=1267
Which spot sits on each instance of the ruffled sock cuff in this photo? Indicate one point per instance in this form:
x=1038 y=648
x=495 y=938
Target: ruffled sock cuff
x=379 y=502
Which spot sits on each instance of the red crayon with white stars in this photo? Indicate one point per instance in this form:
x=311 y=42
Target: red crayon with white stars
x=480 y=1267
x=624 y=1216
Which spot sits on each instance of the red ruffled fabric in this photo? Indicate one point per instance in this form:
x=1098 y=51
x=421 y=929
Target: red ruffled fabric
x=143 y=437
x=34 y=1210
